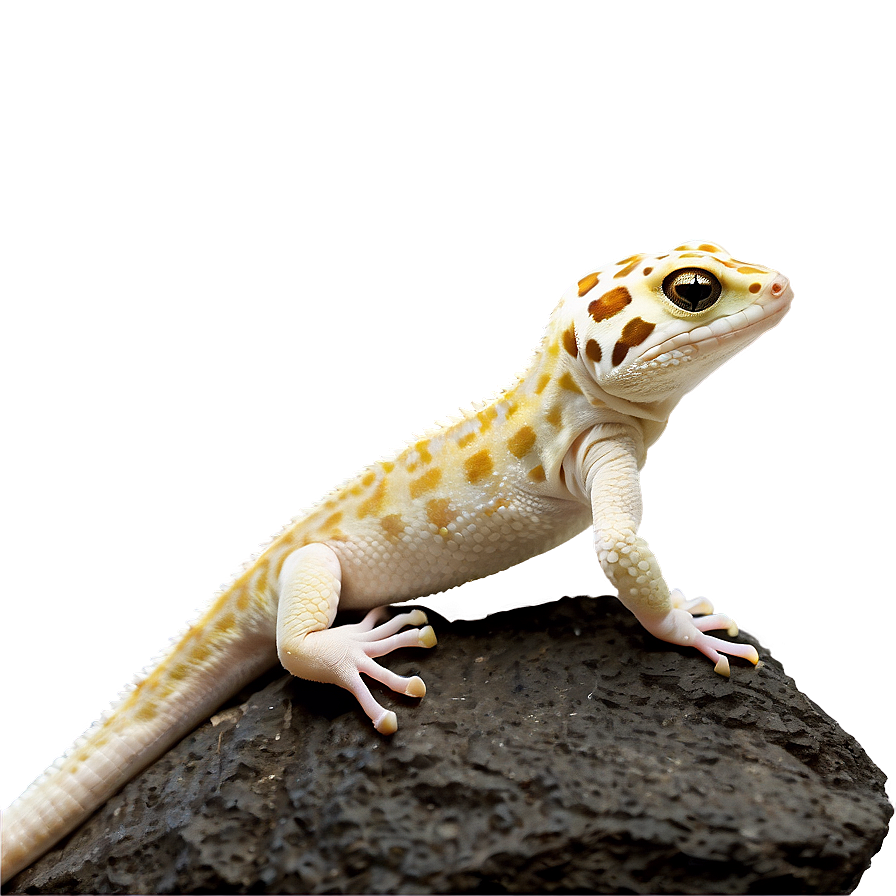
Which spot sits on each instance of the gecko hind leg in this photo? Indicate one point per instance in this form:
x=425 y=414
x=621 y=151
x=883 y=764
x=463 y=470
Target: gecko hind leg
x=309 y=648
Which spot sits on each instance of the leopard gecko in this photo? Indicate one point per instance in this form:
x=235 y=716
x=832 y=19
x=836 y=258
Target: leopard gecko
x=556 y=452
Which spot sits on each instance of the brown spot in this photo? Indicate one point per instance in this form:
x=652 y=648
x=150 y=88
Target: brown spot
x=567 y=382
x=609 y=303
x=592 y=350
x=371 y=506
x=569 y=342
x=521 y=442
x=536 y=474
x=647 y=270
x=755 y=287
x=429 y=480
x=708 y=247
x=542 y=383
x=478 y=465
x=554 y=416
x=586 y=284
x=630 y=265
x=438 y=514
x=633 y=333
x=393 y=525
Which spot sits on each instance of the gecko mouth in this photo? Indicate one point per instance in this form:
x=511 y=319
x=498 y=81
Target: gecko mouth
x=742 y=325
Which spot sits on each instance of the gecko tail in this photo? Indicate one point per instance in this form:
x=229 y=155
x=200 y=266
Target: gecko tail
x=208 y=665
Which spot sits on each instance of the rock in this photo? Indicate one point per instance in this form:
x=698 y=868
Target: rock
x=560 y=749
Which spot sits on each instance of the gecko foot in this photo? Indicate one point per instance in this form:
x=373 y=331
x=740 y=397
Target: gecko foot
x=697 y=605
x=340 y=655
x=678 y=626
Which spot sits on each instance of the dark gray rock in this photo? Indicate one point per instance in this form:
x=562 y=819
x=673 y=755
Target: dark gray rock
x=560 y=749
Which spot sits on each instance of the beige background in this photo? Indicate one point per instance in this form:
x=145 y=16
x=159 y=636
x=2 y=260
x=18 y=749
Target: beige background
x=244 y=251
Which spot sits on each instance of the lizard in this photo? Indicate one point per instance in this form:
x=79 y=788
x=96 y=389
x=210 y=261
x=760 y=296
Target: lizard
x=559 y=450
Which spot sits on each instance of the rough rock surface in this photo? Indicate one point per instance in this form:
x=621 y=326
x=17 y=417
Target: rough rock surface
x=560 y=749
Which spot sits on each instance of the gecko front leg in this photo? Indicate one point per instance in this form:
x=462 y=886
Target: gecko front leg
x=310 y=584
x=610 y=473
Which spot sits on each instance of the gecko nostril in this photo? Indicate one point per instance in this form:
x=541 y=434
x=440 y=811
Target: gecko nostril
x=779 y=285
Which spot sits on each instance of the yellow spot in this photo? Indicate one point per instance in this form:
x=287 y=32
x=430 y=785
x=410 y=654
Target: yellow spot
x=179 y=672
x=373 y=504
x=242 y=599
x=521 y=442
x=423 y=451
x=553 y=349
x=586 y=284
x=465 y=439
x=708 y=247
x=393 y=525
x=478 y=465
x=429 y=480
x=332 y=519
x=146 y=713
x=225 y=623
x=437 y=512
x=567 y=382
x=569 y=342
x=369 y=477
x=388 y=466
x=750 y=269
x=536 y=474
x=554 y=416
x=200 y=653
x=630 y=265
x=543 y=380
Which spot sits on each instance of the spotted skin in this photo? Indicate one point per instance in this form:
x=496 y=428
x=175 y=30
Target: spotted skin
x=558 y=451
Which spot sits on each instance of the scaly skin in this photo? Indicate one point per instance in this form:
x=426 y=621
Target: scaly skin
x=559 y=450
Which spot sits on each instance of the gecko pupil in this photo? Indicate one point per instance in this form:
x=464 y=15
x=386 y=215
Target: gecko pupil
x=692 y=289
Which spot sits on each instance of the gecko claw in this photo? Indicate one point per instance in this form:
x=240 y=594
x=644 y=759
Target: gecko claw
x=416 y=687
x=387 y=723
x=723 y=667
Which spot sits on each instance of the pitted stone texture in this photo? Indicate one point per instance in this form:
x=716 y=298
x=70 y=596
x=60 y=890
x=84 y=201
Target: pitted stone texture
x=560 y=749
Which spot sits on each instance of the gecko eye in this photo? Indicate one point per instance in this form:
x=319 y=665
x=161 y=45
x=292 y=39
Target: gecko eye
x=692 y=289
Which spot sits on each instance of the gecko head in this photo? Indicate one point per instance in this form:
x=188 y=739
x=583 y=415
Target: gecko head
x=650 y=328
